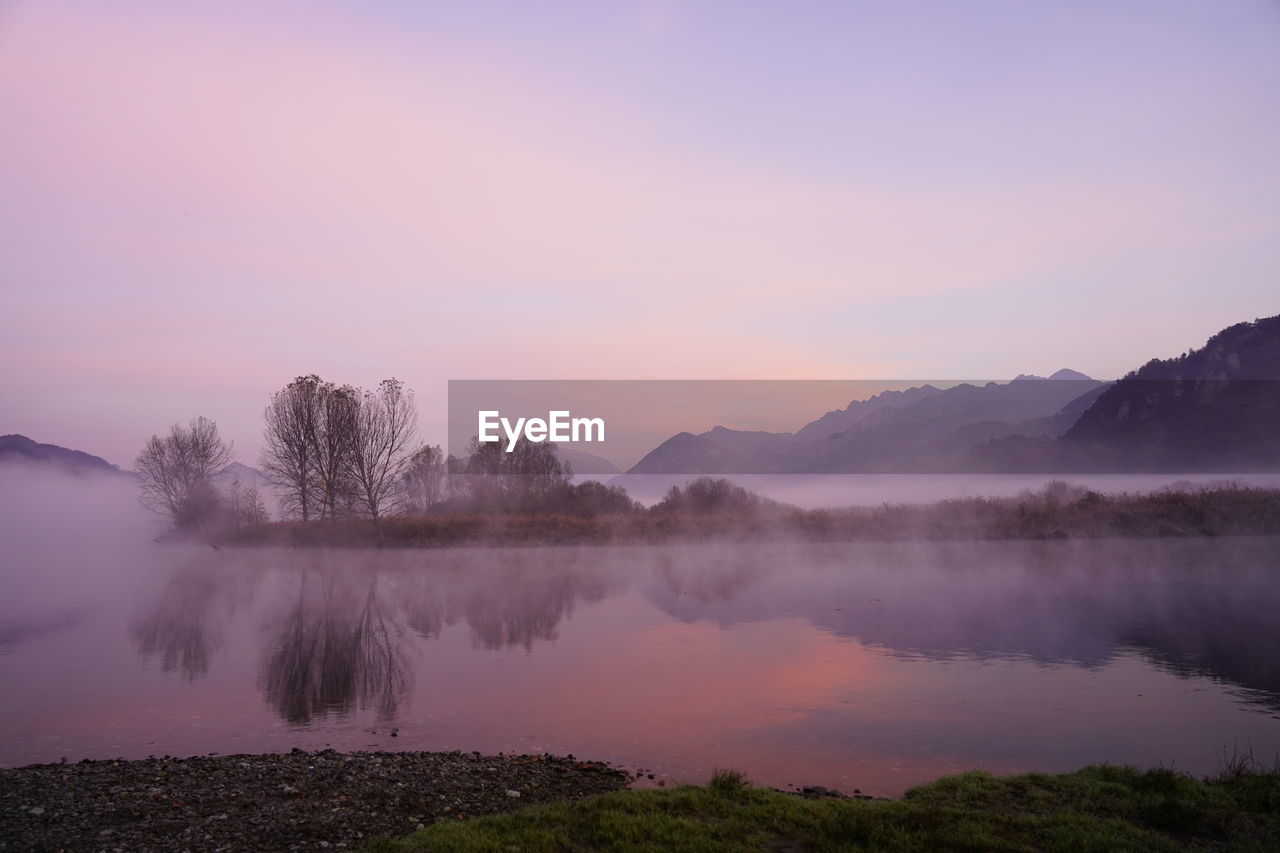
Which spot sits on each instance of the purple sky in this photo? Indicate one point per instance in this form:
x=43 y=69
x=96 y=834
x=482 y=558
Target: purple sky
x=199 y=203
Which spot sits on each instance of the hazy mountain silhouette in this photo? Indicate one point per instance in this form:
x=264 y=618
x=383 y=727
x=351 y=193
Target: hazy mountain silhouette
x=19 y=448
x=586 y=463
x=920 y=429
x=1216 y=408
x=724 y=451
x=1065 y=373
x=246 y=475
x=935 y=433
x=841 y=419
x=727 y=451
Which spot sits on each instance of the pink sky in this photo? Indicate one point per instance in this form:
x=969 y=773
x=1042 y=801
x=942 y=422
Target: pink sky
x=197 y=204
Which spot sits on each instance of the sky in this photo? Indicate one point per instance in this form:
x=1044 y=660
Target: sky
x=199 y=202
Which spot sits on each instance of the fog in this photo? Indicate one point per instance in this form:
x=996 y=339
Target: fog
x=1055 y=602
x=67 y=538
x=881 y=664
x=841 y=490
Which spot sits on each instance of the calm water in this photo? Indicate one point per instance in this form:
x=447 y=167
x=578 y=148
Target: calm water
x=864 y=666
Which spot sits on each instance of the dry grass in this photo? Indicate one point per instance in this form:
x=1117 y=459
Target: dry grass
x=1059 y=511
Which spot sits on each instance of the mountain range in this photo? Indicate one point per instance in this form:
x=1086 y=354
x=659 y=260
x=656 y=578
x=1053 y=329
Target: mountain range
x=1212 y=409
x=919 y=430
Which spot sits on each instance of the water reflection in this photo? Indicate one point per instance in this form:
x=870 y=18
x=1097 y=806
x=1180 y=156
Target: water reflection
x=333 y=644
x=342 y=628
x=15 y=631
x=337 y=623
x=1192 y=607
x=527 y=605
x=188 y=623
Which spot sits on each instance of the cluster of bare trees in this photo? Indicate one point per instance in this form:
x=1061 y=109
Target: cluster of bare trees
x=426 y=482
x=531 y=476
x=176 y=473
x=336 y=450
x=244 y=505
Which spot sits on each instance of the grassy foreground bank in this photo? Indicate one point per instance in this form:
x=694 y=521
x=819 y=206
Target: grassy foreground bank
x=1100 y=808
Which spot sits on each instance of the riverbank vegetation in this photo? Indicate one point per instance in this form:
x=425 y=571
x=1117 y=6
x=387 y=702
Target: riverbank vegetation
x=1095 y=809
x=347 y=469
x=708 y=509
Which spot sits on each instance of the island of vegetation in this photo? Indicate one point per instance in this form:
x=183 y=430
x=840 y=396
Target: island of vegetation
x=348 y=472
x=715 y=509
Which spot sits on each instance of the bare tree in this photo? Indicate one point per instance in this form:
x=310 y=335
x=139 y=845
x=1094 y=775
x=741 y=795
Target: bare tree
x=425 y=479
x=235 y=501
x=253 y=509
x=336 y=412
x=537 y=474
x=176 y=472
x=385 y=426
x=246 y=506
x=288 y=459
x=530 y=478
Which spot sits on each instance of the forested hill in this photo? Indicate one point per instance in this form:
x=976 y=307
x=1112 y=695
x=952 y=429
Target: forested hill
x=1214 y=408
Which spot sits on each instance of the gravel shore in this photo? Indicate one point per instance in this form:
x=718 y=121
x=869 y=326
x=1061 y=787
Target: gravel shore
x=293 y=801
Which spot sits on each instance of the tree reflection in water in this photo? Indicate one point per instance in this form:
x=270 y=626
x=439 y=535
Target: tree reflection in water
x=508 y=598
x=338 y=623
x=338 y=647
x=188 y=623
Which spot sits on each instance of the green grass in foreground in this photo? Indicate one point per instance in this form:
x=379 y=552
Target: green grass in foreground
x=1095 y=809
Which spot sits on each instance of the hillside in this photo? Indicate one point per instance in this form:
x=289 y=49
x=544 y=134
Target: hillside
x=934 y=434
x=1216 y=408
x=20 y=449
x=920 y=429
x=584 y=463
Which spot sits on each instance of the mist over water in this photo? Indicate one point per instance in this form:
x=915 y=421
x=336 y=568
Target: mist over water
x=68 y=539
x=868 y=665
x=816 y=491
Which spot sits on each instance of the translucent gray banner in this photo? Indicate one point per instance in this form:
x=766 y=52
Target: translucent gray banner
x=1030 y=425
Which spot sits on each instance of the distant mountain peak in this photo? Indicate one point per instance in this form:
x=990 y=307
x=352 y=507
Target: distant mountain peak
x=1064 y=373
x=19 y=448
x=241 y=471
x=894 y=431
